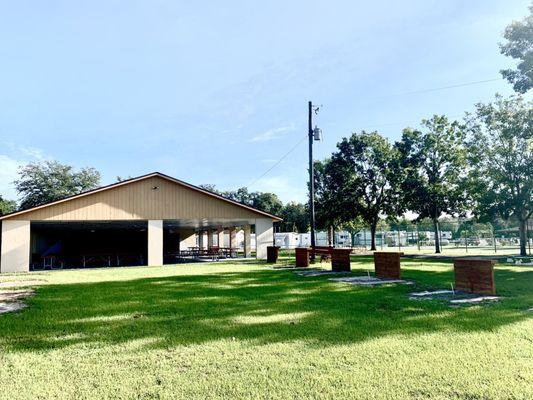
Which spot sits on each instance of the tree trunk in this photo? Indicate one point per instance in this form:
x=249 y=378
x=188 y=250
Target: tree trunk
x=330 y=236
x=437 y=236
x=373 y=236
x=523 y=237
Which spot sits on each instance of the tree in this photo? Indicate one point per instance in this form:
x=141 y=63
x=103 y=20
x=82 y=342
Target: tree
x=435 y=164
x=267 y=202
x=295 y=217
x=7 y=206
x=41 y=183
x=353 y=227
x=329 y=210
x=367 y=177
x=502 y=153
x=519 y=36
x=240 y=195
x=264 y=201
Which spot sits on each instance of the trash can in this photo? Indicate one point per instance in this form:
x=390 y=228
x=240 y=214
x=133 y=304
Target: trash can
x=302 y=257
x=272 y=254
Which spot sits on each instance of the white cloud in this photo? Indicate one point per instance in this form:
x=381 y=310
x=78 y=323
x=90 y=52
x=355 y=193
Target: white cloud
x=32 y=152
x=272 y=134
x=16 y=157
x=8 y=173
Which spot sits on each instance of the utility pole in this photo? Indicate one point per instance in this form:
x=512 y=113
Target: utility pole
x=314 y=134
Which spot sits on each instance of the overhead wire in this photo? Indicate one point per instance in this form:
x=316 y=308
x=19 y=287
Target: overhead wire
x=382 y=124
x=279 y=161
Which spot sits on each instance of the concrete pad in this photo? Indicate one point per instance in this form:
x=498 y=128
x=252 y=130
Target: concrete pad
x=454 y=298
x=318 y=272
x=12 y=284
x=428 y=295
x=11 y=306
x=370 y=281
x=12 y=295
x=473 y=300
x=11 y=300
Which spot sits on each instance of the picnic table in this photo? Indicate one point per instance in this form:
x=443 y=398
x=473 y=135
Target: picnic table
x=214 y=252
x=96 y=259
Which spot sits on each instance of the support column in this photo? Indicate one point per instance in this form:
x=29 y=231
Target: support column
x=155 y=243
x=233 y=238
x=264 y=237
x=201 y=239
x=247 y=241
x=209 y=238
x=220 y=238
x=15 y=252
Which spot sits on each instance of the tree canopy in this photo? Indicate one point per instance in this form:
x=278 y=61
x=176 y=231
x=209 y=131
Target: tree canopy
x=329 y=207
x=264 y=201
x=295 y=217
x=361 y=181
x=7 y=206
x=41 y=183
x=519 y=45
x=502 y=153
x=435 y=165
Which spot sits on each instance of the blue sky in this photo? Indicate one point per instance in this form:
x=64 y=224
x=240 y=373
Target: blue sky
x=216 y=92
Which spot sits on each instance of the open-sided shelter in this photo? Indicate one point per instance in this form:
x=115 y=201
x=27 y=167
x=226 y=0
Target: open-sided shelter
x=140 y=221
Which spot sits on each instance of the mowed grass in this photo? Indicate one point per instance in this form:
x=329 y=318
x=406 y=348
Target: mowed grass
x=245 y=330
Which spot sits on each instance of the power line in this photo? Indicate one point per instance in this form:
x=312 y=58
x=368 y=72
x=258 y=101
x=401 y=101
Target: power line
x=384 y=124
x=279 y=161
x=436 y=89
x=372 y=126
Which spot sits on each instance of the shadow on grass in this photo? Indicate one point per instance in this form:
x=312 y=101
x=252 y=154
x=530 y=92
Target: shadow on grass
x=264 y=306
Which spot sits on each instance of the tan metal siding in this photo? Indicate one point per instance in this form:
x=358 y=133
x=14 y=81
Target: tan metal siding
x=138 y=201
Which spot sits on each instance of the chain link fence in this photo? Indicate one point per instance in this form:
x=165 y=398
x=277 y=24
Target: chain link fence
x=457 y=237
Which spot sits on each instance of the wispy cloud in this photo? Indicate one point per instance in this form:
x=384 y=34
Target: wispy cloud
x=33 y=153
x=272 y=134
x=14 y=157
x=8 y=173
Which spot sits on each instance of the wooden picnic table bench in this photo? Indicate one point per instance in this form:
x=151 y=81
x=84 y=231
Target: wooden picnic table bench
x=96 y=259
x=324 y=252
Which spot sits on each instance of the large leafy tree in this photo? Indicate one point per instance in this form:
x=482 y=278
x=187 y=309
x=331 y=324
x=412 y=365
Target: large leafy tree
x=41 y=183
x=367 y=178
x=295 y=217
x=502 y=156
x=330 y=211
x=264 y=201
x=353 y=227
x=267 y=202
x=519 y=45
x=242 y=195
x=434 y=160
x=7 y=206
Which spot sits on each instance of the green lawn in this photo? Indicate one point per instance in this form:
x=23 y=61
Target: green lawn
x=245 y=330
